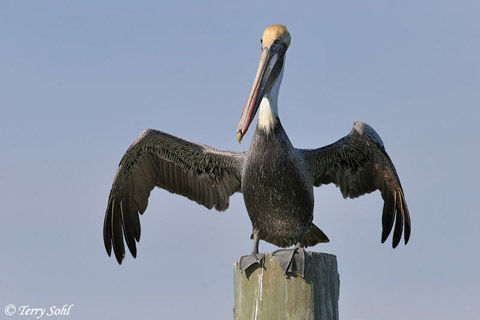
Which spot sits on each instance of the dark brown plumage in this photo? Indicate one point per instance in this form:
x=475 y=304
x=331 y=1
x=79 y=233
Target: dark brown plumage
x=358 y=164
x=156 y=159
x=276 y=179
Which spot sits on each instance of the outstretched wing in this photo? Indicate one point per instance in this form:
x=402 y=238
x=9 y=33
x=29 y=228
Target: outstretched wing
x=200 y=173
x=359 y=164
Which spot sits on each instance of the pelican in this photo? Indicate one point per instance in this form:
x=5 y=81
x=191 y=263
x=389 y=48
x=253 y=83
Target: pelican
x=275 y=178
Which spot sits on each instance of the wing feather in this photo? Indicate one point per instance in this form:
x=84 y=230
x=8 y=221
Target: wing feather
x=198 y=172
x=358 y=164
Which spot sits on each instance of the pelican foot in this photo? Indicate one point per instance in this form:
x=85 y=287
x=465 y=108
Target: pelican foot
x=247 y=261
x=291 y=260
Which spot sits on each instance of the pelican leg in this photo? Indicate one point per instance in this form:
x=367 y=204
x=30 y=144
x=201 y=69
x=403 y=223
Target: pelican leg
x=291 y=260
x=247 y=261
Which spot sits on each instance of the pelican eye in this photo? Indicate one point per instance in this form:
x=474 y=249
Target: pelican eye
x=277 y=41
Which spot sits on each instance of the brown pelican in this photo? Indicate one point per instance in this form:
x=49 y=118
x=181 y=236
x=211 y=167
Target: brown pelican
x=275 y=178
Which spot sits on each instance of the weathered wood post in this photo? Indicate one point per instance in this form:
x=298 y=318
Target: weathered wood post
x=265 y=293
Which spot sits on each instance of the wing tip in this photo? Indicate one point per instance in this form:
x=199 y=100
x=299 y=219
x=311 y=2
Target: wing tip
x=395 y=243
x=108 y=248
x=120 y=258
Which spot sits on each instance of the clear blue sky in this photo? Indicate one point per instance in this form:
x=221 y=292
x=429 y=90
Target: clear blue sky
x=80 y=80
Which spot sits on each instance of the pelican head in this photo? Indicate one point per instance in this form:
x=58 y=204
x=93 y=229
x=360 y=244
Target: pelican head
x=275 y=42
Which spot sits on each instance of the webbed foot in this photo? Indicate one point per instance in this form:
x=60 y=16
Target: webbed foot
x=291 y=260
x=247 y=261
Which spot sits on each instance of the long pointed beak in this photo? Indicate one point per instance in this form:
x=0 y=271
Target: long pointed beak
x=268 y=60
x=253 y=100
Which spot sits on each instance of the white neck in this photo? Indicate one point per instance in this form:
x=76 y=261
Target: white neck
x=268 y=114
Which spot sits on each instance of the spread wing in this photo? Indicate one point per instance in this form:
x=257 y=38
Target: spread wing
x=200 y=173
x=358 y=164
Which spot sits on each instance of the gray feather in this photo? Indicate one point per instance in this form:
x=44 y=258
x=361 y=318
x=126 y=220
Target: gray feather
x=200 y=173
x=358 y=164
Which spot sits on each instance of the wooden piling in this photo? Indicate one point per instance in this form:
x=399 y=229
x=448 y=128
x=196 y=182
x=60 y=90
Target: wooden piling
x=265 y=293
